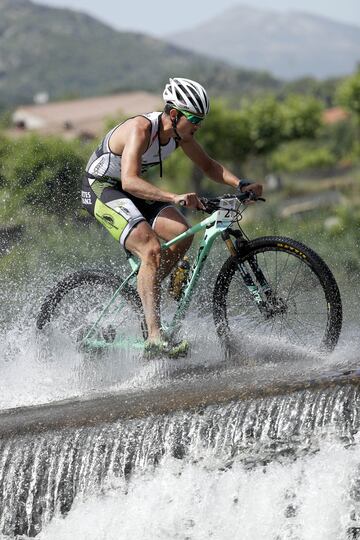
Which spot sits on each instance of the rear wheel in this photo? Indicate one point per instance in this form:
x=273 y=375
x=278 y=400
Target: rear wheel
x=302 y=305
x=75 y=304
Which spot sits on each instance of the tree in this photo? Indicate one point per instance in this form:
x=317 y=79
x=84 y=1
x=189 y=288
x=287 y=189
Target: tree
x=266 y=123
x=225 y=136
x=257 y=129
x=302 y=117
x=348 y=94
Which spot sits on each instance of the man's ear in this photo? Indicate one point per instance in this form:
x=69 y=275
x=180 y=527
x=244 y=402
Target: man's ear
x=173 y=114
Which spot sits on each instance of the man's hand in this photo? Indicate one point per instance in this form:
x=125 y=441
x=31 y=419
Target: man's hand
x=190 y=200
x=255 y=187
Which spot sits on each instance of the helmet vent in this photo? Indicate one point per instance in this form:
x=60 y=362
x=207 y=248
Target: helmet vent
x=188 y=95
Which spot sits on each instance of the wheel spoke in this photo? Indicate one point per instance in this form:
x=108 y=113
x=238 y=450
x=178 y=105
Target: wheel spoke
x=297 y=309
x=84 y=306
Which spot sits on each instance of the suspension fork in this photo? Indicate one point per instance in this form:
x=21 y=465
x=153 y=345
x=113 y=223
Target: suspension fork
x=258 y=288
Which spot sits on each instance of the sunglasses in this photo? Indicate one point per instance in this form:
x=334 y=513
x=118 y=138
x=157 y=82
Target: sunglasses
x=191 y=117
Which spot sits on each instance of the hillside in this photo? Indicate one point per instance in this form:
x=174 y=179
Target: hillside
x=287 y=44
x=67 y=53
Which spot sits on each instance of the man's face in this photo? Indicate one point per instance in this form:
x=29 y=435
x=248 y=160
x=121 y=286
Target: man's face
x=185 y=127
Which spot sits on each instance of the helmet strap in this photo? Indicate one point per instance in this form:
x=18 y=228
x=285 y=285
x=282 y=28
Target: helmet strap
x=174 y=123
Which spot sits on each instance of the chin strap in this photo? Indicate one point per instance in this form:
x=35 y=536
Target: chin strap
x=158 y=136
x=174 y=124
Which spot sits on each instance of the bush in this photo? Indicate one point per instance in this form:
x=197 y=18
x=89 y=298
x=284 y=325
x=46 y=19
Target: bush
x=348 y=94
x=299 y=156
x=302 y=117
x=45 y=173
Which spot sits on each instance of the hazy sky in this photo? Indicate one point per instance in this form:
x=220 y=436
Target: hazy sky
x=160 y=17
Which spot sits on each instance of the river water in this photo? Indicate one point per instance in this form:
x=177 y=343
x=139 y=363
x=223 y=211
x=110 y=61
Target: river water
x=277 y=467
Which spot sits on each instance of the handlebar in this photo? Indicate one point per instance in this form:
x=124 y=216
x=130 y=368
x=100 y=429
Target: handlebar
x=214 y=204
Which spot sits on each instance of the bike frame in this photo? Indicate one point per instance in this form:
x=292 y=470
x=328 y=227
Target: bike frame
x=214 y=226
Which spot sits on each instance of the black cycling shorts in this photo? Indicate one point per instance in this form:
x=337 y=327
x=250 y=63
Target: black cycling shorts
x=116 y=209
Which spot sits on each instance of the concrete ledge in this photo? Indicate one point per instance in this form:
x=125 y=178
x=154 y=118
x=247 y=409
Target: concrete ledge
x=200 y=392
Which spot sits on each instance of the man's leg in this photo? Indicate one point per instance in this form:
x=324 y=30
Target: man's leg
x=107 y=202
x=143 y=242
x=168 y=224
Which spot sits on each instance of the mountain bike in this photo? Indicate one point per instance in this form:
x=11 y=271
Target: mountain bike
x=272 y=286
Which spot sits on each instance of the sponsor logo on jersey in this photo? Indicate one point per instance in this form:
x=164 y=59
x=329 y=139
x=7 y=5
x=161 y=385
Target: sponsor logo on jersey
x=86 y=197
x=122 y=208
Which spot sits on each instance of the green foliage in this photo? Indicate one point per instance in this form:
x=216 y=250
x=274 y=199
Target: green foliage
x=265 y=120
x=259 y=127
x=176 y=173
x=43 y=173
x=5 y=148
x=235 y=136
x=348 y=94
x=302 y=117
x=271 y=122
x=299 y=156
x=339 y=139
x=5 y=118
x=225 y=134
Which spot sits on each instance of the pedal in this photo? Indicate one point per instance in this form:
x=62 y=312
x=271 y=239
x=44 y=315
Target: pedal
x=109 y=333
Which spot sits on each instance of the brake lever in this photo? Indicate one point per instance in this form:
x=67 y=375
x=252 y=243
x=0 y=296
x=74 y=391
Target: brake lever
x=209 y=206
x=249 y=196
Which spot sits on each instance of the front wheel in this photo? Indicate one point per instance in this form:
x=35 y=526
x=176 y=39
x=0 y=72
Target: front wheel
x=278 y=288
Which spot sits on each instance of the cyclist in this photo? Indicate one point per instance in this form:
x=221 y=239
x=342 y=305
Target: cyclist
x=139 y=214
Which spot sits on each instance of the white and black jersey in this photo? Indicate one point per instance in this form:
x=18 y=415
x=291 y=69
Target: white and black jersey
x=105 y=163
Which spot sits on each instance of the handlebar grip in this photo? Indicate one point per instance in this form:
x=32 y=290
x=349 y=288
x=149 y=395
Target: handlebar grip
x=249 y=195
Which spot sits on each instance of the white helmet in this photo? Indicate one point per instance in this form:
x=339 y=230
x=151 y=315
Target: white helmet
x=187 y=95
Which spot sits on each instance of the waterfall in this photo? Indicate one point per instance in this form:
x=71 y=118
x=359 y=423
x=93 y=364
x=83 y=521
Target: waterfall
x=41 y=475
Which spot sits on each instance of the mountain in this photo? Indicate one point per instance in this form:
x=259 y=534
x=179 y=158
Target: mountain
x=288 y=44
x=68 y=53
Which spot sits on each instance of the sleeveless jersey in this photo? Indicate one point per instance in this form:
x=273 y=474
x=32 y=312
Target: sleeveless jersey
x=103 y=163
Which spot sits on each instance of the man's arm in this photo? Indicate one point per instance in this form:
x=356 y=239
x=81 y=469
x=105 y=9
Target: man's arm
x=215 y=170
x=137 y=141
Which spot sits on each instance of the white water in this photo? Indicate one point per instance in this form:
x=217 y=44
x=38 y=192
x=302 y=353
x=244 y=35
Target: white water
x=306 y=499
x=32 y=373
x=237 y=466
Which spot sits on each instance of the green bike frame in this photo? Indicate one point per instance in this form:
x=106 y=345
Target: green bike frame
x=214 y=226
